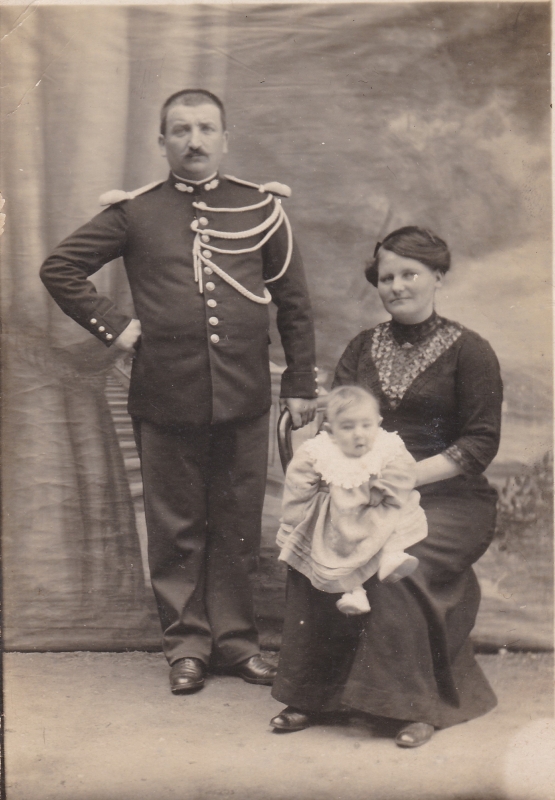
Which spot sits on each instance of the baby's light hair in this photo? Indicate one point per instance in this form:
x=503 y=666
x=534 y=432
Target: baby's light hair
x=343 y=397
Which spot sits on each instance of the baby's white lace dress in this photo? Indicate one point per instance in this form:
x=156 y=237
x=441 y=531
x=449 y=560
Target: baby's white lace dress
x=329 y=532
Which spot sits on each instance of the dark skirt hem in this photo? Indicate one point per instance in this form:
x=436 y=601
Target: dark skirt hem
x=403 y=708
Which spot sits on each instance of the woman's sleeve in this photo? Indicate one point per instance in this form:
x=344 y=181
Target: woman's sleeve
x=301 y=485
x=480 y=394
x=346 y=372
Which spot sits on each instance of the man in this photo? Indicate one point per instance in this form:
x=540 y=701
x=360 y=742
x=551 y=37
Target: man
x=204 y=255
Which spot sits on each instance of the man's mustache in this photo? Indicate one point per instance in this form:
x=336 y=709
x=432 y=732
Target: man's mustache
x=196 y=151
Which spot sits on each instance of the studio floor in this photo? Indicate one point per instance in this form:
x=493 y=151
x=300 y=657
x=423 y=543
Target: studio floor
x=104 y=726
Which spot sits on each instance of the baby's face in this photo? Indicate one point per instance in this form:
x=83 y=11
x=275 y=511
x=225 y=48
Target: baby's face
x=355 y=429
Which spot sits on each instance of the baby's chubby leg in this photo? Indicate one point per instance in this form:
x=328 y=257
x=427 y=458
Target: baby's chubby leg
x=354 y=602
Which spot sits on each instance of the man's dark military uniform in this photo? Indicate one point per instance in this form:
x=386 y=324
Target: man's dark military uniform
x=202 y=261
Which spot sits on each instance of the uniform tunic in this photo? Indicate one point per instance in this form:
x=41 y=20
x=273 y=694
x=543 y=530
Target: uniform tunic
x=203 y=357
x=202 y=261
x=411 y=658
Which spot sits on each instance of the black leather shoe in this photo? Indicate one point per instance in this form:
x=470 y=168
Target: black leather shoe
x=414 y=735
x=187 y=675
x=290 y=719
x=256 y=670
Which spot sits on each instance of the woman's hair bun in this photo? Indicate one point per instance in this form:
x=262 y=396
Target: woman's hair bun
x=411 y=242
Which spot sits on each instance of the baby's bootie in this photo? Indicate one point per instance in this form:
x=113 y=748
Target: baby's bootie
x=355 y=602
x=396 y=565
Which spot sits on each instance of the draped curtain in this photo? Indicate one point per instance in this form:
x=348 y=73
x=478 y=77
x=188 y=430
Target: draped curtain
x=376 y=114
x=80 y=109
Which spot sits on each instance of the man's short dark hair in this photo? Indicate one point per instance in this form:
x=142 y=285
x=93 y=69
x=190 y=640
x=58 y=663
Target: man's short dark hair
x=190 y=97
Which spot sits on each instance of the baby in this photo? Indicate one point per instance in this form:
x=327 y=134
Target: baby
x=349 y=506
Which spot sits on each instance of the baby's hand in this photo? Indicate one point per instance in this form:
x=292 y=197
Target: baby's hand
x=376 y=496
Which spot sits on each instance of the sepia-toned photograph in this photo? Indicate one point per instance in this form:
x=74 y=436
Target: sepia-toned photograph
x=277 y=401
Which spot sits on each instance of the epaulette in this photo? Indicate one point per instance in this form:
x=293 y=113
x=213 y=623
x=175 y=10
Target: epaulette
x=117 y=195
x=273 y=187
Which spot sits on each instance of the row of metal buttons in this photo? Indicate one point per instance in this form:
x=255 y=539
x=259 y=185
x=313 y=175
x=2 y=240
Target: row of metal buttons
x=209 y=286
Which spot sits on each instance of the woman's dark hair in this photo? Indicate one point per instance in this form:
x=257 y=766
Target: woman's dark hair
x=412 y=242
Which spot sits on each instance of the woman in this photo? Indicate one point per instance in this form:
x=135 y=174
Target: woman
x=410 y=659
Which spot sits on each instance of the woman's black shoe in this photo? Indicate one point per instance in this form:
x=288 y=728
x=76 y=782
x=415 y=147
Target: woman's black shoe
x=414 y=735
x=290 y=719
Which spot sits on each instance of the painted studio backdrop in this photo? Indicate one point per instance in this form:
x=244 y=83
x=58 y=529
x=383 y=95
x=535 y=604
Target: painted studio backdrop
x=376 y=115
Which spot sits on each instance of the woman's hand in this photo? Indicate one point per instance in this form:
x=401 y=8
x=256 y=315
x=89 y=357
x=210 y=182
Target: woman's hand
x=436 y=468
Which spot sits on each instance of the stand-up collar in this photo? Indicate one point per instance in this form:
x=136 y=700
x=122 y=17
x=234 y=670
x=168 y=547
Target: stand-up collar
x=413 y=334
x=188 y=186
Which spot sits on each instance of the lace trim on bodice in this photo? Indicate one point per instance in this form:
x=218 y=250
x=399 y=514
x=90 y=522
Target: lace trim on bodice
x=339 y=470
x=398 y=365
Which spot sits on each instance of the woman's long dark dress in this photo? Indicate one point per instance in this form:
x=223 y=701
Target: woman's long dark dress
x=410 y=658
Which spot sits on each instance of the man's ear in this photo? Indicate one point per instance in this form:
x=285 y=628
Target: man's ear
x=226 y=142
x=162 y=144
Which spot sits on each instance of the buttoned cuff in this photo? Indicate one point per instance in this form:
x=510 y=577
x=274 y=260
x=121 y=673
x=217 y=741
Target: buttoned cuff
x=300 y=384
x=107 y=328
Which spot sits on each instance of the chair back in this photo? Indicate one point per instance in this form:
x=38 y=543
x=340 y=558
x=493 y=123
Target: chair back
x=289 y=439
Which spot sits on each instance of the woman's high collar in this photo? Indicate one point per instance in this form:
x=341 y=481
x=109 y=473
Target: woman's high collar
x=413 y=334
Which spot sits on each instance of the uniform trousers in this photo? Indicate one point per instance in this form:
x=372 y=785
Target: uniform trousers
x=204 y=491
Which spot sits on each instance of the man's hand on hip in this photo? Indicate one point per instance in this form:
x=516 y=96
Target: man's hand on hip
x=302 y=410
x=129 y=337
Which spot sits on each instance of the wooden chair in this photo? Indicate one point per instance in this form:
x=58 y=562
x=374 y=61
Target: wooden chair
x=289 y=439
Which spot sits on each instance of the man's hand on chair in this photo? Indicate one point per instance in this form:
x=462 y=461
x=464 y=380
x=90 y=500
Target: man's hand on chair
x=301 y=409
